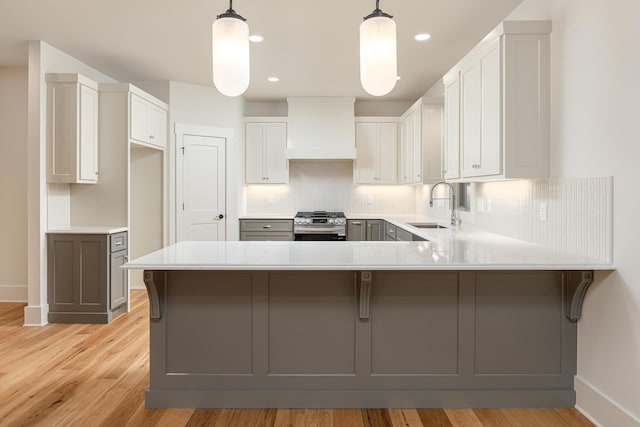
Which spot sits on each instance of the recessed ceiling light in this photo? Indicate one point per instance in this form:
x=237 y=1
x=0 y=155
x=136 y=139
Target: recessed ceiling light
x=256 y=38
x=273 y=79
x=422 y=37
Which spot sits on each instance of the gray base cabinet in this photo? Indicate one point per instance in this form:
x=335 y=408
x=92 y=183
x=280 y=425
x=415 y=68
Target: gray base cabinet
x=266 y=230
x=365 y=229
x=85 y=283
x=360 y=339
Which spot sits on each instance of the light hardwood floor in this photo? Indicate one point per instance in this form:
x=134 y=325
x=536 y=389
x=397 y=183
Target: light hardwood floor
x=95 y=375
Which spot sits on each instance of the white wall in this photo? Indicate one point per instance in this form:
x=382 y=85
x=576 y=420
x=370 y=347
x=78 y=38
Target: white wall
x=595 y=91
x=204 y=105
x=13 y=183
x=595 y=64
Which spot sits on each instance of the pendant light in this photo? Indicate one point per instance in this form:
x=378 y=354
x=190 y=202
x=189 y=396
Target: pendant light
x=230 y=48
x=378 y=58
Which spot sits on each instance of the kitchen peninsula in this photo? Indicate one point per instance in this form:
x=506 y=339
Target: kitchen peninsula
x=469 y=319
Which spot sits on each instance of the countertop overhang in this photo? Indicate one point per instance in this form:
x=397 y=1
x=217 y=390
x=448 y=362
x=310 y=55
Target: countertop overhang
x=454 y=250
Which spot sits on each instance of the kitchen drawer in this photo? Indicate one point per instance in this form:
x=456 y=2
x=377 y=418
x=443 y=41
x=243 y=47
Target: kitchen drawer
x=403 y=235
x=266 y=236
x=263 y=225
x=118 y=241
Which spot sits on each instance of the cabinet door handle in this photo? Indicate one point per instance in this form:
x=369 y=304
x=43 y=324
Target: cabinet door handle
x=152 y=137
x=221 y=216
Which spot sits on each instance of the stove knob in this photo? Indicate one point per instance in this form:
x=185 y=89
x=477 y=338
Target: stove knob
x=332 y=221
x=307 y=220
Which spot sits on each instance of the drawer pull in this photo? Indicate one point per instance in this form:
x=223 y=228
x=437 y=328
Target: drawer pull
x=266 y=226
x=356 y=223
x=119 y=243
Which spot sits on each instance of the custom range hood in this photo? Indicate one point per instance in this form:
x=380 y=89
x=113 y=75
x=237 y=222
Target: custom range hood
x=321 y=128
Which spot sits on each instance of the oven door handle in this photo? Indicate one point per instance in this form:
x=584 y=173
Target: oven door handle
x=319 y=230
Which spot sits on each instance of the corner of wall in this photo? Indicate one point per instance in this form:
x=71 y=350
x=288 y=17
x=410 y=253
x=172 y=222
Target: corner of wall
x=602 y=411
x=36 y=315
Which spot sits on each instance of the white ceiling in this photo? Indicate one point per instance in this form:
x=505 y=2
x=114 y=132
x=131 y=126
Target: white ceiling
x=311 y=46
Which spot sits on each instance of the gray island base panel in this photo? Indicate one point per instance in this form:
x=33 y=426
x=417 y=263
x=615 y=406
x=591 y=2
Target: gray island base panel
x=290 y=339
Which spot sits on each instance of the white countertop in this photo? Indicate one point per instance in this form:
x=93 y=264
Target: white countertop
x=88 y=230
x=458 y=251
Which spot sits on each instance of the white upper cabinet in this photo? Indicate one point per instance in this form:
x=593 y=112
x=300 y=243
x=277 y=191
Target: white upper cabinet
x=497 y=106
x=72 y=129
x=266 y=153
x=410 y=165
x=148 y=121
x=376 y=152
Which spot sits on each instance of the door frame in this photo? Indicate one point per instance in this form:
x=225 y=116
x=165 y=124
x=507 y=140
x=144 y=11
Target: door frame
x=182 y=129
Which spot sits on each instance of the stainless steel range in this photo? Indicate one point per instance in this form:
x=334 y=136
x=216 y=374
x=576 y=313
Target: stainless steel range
x=320 y=225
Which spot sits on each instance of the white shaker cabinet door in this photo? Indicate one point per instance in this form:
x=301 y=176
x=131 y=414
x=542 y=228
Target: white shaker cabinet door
x=254 y=147
x=387 y=153
x=452 y=130
x=88 y=142
x=416 y=146
x=377 y=153
x=481 y=115
x=491 y=122
x=157 y=126
x=140 y=112
x=366 y=162
x=275 y=153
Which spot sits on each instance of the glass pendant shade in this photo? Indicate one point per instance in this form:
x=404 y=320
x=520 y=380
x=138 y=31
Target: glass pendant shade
x=230 y=45
x=378 y=57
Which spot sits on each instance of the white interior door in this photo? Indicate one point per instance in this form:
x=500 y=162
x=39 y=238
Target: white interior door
x=203 y=196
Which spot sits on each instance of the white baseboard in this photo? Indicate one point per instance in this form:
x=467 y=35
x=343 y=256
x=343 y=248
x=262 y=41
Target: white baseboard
x=13 y=293
x=36 y=315
x=599 y=408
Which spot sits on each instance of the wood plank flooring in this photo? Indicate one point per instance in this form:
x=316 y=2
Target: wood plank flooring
x=96 y=375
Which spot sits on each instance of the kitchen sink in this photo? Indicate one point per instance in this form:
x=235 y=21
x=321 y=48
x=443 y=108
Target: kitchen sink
x=427 y=225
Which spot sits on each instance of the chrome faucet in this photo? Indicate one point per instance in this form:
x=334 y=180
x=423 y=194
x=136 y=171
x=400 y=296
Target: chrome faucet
x=451 y=198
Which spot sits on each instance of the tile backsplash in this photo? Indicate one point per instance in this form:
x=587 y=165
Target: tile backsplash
x=327 y=185
x=568 y=214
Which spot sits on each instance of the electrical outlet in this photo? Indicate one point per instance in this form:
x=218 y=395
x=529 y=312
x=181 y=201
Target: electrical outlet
x=543 y=211
x=489 y=205
x=369 y=200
